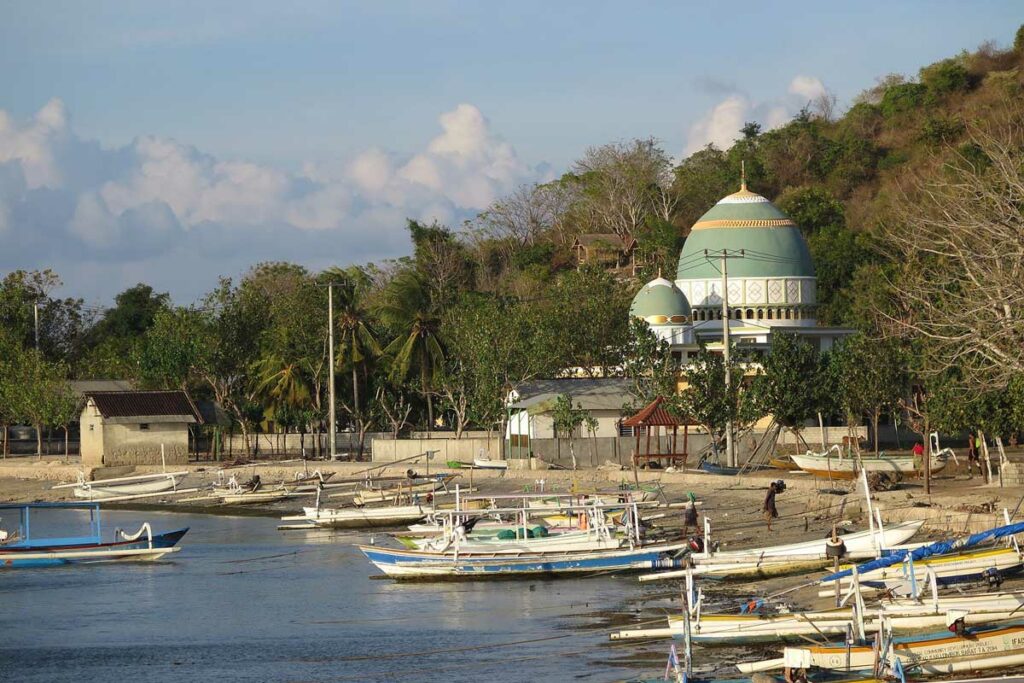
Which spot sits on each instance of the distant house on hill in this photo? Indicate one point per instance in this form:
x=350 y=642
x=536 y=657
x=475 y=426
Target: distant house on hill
x=129 y=427
x=606 y=250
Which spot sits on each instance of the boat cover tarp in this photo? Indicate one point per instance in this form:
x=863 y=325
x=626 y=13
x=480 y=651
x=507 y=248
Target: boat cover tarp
x=937 y=548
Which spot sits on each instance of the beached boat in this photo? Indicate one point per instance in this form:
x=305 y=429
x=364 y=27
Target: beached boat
x=838 y=467
x=19 y=549
x=781 y=560
x=952 y=568
x=363 y=517
x=902 y=615
x=417 y=565
x=250 y=492
x=715 y=468
x=136 y=485
x=975 y=648
x=488 y=464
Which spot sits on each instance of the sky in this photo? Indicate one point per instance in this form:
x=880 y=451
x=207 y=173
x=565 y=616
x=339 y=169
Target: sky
x=174 y=143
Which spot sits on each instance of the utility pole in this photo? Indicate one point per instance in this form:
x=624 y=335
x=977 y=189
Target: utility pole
x=331 y=435
x=35 y=314
x=724 y=256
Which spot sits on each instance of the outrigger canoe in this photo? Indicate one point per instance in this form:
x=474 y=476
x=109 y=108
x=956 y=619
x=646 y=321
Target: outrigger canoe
x=18 y=549
x=835 y=467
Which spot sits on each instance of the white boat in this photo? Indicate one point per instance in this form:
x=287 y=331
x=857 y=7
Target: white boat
x=569 y=541
x=135 y=485
x=361 y=518
x=976 y=648
x=952 y=568
x=901 y=615
x=785 y=559
x=838 y=467
x=488 y=464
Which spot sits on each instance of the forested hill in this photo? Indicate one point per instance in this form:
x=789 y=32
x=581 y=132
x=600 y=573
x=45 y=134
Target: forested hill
x=487 y=305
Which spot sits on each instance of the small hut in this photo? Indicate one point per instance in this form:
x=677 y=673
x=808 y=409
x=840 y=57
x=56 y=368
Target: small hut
x=651 y=418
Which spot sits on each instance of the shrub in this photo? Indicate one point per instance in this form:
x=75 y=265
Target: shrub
x=902 y=98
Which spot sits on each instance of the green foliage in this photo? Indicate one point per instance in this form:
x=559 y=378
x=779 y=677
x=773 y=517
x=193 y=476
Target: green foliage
x=945 y=77
x=871 y=376
x=648 y=362
x=1018 y=40
x=787 y=386
x=813 y=208
x=706 y=398
x=938 y=130
x=838 y=253
x=902 y=98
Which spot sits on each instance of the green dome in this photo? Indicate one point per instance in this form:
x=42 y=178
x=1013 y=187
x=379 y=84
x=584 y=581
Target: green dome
x=773 y=244
x=661 y=303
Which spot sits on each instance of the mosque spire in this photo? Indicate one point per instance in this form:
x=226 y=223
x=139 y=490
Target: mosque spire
x=743 y=175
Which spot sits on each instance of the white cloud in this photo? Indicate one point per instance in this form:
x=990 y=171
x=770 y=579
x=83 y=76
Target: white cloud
x=807 y=87
x=721 y=126
x=157 y=197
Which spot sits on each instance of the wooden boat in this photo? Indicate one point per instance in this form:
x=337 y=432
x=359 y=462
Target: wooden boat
x=251 y=492
x=962 y=567
x=19 y=549
x=715 y=468
x=488 y=464
x=781 y=559
x=413 y=565
x=838 y=467
x=783 y=463
x=363 y=518
x=975 y=649
x=901 y=615
x=127 y=486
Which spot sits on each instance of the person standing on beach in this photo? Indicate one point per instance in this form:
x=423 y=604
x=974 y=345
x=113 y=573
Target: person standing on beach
x=690 y=517
x=769 y=509
x=973 y=456
x=918 y=452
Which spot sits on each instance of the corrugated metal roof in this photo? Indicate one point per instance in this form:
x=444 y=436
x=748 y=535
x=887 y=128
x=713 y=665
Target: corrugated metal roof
x=129 y=404
x=606 y=393
x=81 y=387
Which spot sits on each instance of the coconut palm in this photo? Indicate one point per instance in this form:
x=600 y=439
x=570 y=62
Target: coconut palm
x=356 y=341
x=406 y=307
x=283 y=385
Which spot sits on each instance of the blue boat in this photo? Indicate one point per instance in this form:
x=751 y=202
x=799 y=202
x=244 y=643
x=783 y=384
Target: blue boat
x=715 y=468
x=418 y=565
x=19 y=549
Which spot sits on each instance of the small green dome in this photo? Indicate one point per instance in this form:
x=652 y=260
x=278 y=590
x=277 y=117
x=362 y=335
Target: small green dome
x=773 y=243
x=661 y=303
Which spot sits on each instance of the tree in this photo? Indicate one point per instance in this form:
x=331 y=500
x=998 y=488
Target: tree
x=61 y=321
x=568 y=419
x=871 y=377
x=706 y=399
x=648 y=362
x=787 y=386
x=618 y=186
x=406 y=307
x=957 y=235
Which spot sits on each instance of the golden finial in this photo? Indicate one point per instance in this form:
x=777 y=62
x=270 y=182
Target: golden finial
x=743 y=175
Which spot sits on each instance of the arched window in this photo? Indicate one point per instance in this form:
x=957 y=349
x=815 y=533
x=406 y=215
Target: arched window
x=789 y=314
x=738 y=314
x=770 y=313
x=760 y=314
x=750 y=314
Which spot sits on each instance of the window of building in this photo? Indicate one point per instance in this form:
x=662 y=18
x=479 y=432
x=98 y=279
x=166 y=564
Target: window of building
x=144 y=426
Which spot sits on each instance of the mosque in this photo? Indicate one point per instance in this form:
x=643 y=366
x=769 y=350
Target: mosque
x=747 y=248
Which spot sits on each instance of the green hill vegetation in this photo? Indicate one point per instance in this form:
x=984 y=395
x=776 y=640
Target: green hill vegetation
x=910 y=201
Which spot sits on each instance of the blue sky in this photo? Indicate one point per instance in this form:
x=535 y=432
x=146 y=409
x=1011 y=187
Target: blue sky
x=174 y=142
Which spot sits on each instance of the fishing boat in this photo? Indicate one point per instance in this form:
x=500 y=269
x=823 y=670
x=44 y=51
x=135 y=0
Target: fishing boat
x=485 y=463
x=136 y=485
x=20 y=549
x=781 y=560
x=417 y=565
x=953 y=568
x=783 y=462
x=362 y=517
x=972 y=648
x=839 y=467
x=250 y=492
x=724 y=470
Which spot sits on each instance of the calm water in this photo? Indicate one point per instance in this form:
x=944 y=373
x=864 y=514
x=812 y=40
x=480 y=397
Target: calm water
x=245 y=602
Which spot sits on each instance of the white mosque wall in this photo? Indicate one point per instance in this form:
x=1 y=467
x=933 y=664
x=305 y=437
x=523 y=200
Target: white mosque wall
x=759 y=291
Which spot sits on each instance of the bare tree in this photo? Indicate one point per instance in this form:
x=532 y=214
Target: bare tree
x=620 y=185
x=525 y=216
x=959 y=235
x=824 y=105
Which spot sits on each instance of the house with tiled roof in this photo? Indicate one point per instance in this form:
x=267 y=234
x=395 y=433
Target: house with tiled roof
x=134 y=427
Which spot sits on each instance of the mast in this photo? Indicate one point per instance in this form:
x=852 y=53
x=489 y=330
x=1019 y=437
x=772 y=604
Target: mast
x=332 y=427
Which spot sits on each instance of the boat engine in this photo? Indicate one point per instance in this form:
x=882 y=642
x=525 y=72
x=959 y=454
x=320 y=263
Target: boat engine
x=696 y=544
x=993 y=577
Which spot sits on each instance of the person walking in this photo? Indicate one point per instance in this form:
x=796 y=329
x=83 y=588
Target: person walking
x=918 y=452
x=769 y=509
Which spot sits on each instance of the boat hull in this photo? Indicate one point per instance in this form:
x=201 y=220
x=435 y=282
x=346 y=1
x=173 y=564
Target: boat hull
x=27 y=556
x=97 y=491
x=412 y=566
x=355 y=518
x=847 y=468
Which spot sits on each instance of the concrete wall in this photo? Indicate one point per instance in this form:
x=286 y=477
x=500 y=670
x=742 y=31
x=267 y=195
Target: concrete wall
x=129 y=444
x=389 y=450
x=91 y=446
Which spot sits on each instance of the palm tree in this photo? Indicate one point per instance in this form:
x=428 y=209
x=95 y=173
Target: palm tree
x=356 y=343
x=283 y=385
x=407 y=308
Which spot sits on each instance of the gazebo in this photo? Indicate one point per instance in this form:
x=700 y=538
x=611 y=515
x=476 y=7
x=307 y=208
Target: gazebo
x=654 y=416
